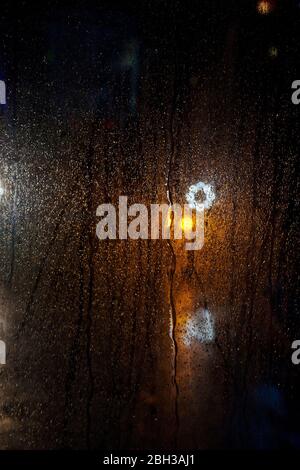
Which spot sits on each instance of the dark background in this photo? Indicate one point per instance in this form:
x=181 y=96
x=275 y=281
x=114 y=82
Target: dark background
x=112 y=98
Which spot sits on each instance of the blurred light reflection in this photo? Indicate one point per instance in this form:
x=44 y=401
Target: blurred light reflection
x=208 y=192
x=199 y=328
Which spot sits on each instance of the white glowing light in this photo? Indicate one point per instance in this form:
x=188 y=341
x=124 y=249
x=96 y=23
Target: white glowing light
x=1 y=191
x=2 y=352
x=2 y=92
x=200 y=328
x=208 y=191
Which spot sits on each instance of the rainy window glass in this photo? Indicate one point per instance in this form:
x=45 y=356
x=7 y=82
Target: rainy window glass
x=149 y=160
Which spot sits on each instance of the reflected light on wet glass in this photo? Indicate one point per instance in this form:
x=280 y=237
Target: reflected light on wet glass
x=1 y=191
x=264 y=7
x=208 y=193
x=187 y=223
x=200 y=328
